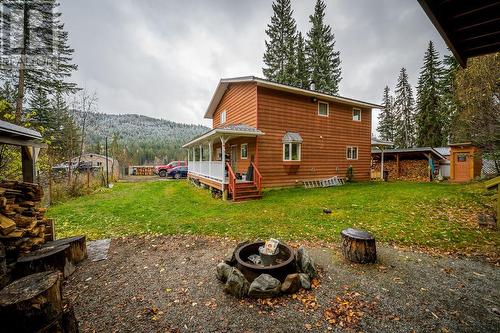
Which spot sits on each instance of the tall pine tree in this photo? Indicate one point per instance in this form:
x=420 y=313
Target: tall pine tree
x=280 y=55
x=37 y=44
x=404 y=136
x=42 y=117
x=386 y=121
x=449 y=102
x=323 y=61
x=302 y=74
x=428 y=117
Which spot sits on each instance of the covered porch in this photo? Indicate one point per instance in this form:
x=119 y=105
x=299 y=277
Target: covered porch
x=223 y=159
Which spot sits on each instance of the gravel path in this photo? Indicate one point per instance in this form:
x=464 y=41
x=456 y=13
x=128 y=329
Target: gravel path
x=168 y=284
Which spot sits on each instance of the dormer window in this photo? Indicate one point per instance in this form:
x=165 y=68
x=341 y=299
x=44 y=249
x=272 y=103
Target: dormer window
x=223 y=115
x=323 y=109
x=356 y=114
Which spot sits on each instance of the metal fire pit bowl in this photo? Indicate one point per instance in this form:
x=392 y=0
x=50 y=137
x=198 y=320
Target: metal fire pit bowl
x=278 y=271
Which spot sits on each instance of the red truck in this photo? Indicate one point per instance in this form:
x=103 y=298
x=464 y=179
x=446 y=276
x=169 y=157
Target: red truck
x=162 y=170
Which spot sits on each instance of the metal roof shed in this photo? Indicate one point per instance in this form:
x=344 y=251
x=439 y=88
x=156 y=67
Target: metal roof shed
x=30 y=142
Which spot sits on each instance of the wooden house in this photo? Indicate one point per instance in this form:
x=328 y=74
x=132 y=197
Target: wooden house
x=267 y=134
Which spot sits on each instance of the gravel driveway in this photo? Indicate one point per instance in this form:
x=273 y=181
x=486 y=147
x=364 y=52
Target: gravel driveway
x=168 y=284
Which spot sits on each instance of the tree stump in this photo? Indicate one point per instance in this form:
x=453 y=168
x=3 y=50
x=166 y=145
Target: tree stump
x=77 y=247
x=32 y=304
x=46 y=259
x=358 y=246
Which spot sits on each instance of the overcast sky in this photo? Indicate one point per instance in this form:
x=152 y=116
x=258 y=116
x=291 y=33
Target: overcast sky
x=163 y=58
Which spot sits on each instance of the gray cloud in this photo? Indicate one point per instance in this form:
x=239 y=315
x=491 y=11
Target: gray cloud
x=164 y=58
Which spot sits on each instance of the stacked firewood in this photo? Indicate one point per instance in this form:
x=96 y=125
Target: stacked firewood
x=23 y=226
x=410 y=170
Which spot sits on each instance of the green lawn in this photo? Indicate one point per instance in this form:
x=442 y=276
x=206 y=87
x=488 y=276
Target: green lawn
x=439 y=216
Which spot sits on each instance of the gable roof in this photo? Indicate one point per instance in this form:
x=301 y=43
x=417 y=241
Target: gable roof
x=224 y=84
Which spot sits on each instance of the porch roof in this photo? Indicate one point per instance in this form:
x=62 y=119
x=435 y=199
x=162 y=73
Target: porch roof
x=228 y=131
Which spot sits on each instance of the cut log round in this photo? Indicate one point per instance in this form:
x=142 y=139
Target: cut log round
x=77 y=247
x=358 y=246
x=32 y=303
x=70 y=324
x=46 y=259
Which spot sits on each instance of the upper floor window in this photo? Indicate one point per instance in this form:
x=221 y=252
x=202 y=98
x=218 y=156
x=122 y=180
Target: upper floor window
x=356 y=114
x=223 y=115
x=323 y=109
x=244 y=151
x=352 y=153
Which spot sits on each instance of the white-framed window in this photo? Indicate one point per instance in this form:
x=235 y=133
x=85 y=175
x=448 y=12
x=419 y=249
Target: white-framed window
x=223 y=116
x=218 y=154
x=244 y=151
x=356 y=114
x=323 y=109
x=291 y=151
x=352 y=153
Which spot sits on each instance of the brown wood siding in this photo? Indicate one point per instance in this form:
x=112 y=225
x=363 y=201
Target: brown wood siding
x=242 y=164
x=240 y=103
x=325 y=139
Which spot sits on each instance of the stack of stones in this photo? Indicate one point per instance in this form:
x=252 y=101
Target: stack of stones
x=265 y=285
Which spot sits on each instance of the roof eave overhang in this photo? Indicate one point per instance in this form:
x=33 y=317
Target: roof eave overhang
x=217 y=132
x=402 y=151
x=224 y=83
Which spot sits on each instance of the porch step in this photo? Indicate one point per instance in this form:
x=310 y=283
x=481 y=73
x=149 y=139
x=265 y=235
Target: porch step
x=244 y=185
x=246 y=197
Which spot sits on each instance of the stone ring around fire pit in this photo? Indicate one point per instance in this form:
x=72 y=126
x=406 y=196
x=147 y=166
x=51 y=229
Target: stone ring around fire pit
x=242 y=277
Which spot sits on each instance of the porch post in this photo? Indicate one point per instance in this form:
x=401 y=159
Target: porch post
x=223 y=146
x=382 y=164
x=210 y=158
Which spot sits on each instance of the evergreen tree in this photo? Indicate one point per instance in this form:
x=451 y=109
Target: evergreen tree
x=8 y=96
x=386 y=117
x=302 y=74
x=404 y=136
x=429 y=118
x=42 y=116
x=40 y=57
x=449 y=102
x=66 y=135
x=280 y=57
x=323 y=61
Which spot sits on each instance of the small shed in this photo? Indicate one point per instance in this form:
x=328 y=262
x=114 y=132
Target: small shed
x=416 y=164
x=465 y=162
x=30 y=142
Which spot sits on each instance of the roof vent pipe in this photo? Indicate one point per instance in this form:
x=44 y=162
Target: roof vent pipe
x=312 y=86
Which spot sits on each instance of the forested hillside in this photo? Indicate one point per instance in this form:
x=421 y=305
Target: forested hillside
x=137 y=139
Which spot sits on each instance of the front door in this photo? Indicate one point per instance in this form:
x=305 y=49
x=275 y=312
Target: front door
x=462 y=167
x=234 y=158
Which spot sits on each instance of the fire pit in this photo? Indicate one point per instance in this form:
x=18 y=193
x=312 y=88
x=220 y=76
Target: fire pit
x=269 y=269
x=284 y=263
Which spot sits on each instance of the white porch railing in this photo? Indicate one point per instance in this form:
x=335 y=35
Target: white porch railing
x=212 y=170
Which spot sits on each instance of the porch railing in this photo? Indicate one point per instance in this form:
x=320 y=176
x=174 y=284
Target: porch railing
x=257 y=178
x=232 y=180
x=212 y=170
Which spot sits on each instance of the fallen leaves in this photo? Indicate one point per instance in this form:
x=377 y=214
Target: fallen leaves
x=347 y=310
